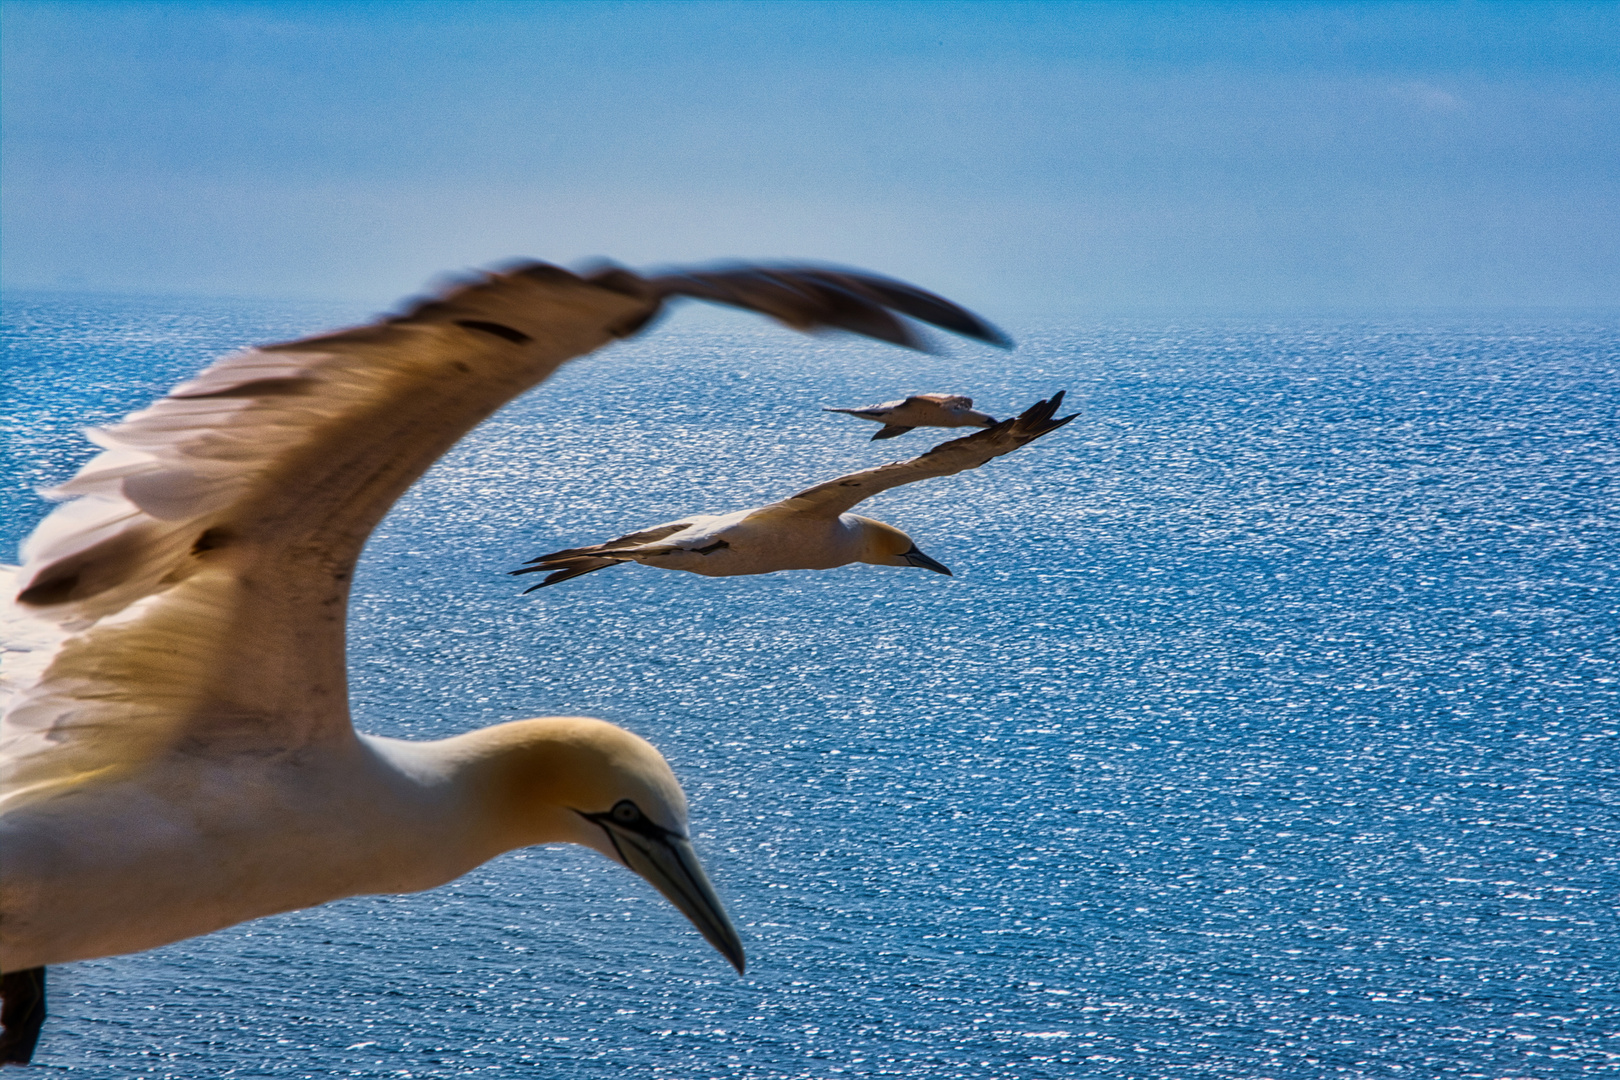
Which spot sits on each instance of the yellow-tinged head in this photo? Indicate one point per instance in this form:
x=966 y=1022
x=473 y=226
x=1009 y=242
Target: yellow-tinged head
x=574 y=779
x=886 y=545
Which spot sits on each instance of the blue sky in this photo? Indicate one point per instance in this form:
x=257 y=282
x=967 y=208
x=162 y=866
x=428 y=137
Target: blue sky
x=1029 y=159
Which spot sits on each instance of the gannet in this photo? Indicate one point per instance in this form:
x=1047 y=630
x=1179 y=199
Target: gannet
x=807 y=531
x=921 y=410
x=177 y=755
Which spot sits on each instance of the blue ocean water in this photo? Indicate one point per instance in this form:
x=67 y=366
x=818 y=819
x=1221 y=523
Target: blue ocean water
x=1268 y=729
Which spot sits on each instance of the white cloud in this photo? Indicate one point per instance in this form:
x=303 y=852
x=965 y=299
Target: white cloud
x=1428 y=98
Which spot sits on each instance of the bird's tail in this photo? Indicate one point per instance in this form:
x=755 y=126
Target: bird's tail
x=560 y=570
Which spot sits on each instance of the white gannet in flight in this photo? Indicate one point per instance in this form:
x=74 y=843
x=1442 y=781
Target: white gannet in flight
x=808 y=531
x=176 y=754
x=921 y=410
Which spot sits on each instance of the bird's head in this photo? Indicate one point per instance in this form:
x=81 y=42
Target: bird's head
x=886 y=545
x=574 y=779
x=963 y=408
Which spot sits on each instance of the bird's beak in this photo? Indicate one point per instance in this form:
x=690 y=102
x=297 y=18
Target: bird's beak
x=917 y=558
x=671 y=865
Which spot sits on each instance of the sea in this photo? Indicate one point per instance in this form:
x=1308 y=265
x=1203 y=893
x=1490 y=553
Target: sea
x=1269 y=727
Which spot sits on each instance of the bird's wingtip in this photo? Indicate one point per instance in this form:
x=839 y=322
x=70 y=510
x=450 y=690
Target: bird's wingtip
x=996 y=337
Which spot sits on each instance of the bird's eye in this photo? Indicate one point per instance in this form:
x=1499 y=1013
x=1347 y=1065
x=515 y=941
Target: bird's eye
x=626 y=812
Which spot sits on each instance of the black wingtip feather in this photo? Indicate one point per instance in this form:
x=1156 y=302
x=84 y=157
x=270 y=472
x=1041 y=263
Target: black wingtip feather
x=1034 y=421
x=816 y=298
x=924 y=306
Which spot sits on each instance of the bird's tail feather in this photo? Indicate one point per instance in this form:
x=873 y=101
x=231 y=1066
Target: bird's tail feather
x=563 y=569
x=539 y=562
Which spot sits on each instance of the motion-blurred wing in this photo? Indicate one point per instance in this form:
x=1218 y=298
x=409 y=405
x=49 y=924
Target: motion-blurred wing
x=197 y=581
x=807 y=298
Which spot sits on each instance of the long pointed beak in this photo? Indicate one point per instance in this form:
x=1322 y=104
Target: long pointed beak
x=672 y=866
x=917 y=558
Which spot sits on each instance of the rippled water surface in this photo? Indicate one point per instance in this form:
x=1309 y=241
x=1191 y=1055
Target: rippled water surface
x=1268 y=728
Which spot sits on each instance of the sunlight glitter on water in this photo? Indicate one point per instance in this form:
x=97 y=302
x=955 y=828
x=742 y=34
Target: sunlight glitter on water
x=1266 y=729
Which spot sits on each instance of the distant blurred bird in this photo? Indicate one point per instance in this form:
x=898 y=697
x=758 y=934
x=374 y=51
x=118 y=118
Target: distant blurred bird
x=921 y=410
x=176 y=753
x=807 y=531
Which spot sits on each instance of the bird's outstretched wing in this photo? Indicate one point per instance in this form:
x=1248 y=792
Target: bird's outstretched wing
x=841 y=495
x=193 y=590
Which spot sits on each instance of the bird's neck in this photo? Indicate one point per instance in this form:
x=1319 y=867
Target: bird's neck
x=517 y=784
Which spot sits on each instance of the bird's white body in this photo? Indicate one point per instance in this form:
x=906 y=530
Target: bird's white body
x=763 y=541
x=200 y=842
